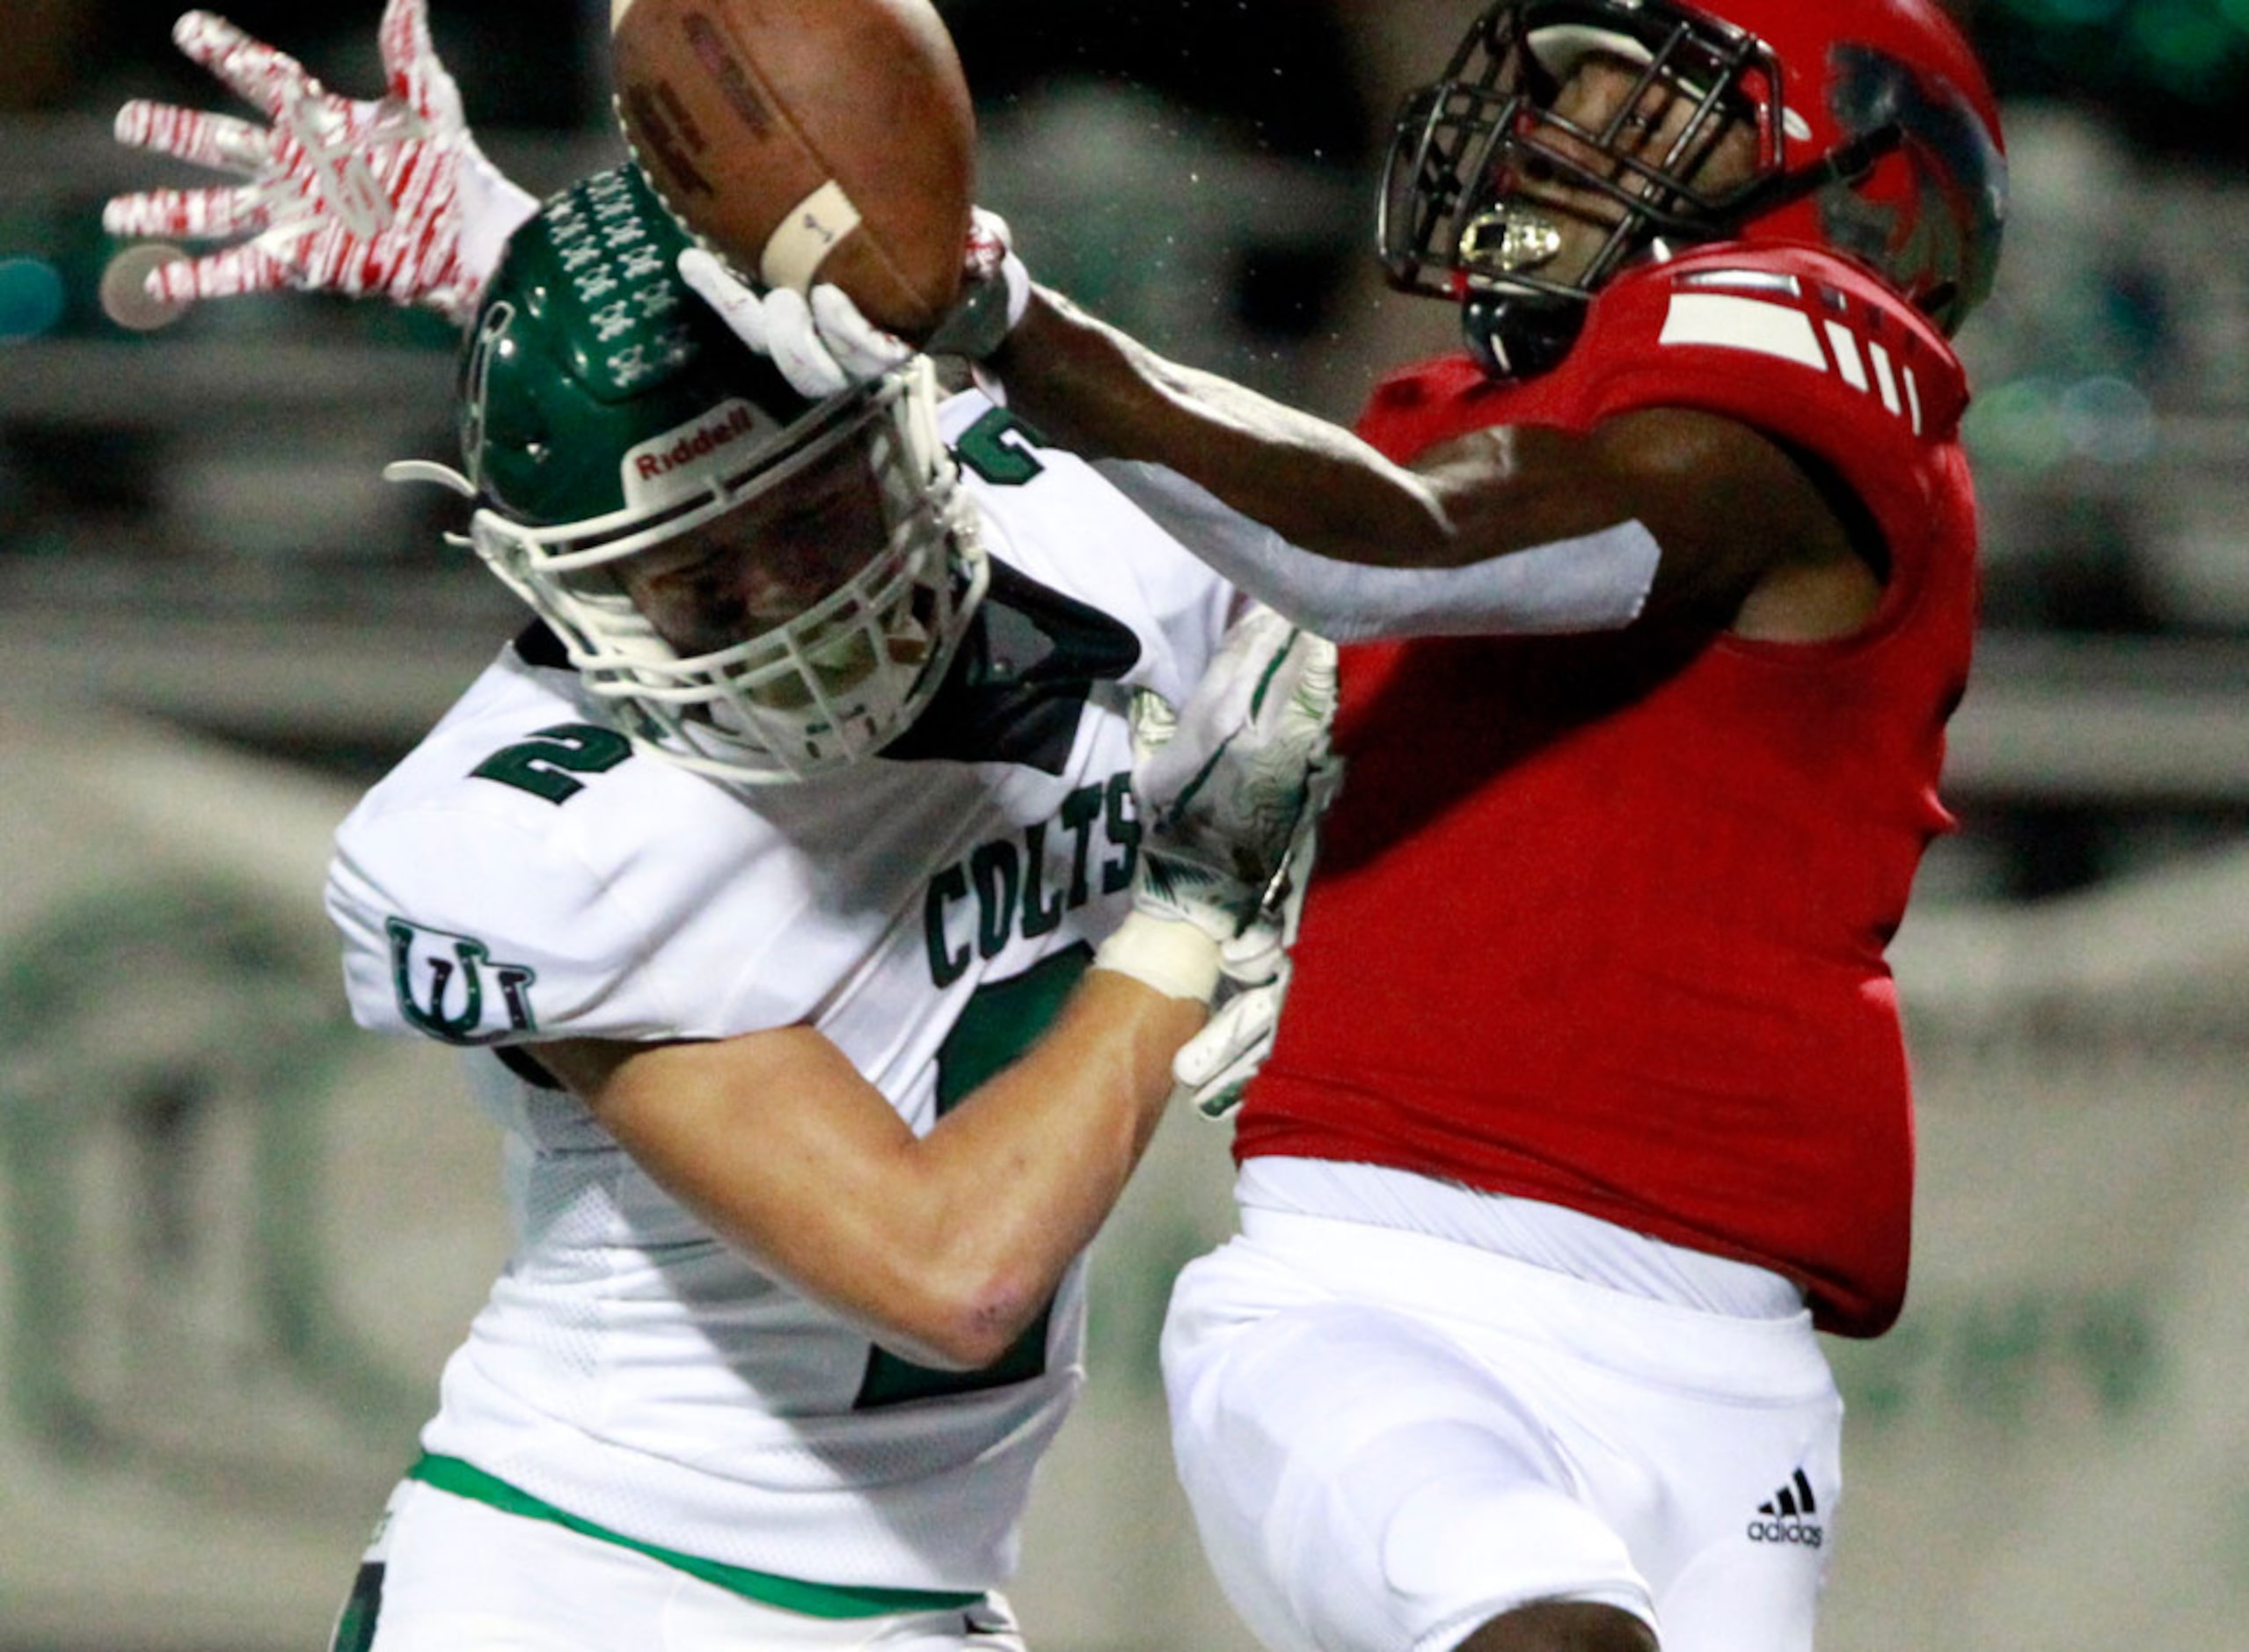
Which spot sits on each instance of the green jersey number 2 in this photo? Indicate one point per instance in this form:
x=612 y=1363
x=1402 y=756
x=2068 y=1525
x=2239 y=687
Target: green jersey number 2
x=544 y=765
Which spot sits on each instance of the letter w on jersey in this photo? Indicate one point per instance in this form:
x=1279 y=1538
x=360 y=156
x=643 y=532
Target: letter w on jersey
x=450 y=988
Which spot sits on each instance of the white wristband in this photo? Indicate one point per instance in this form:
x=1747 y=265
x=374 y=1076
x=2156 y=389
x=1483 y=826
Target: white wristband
x=1167 y=954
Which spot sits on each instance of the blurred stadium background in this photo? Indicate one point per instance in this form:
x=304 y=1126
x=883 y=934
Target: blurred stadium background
x=236 y=1237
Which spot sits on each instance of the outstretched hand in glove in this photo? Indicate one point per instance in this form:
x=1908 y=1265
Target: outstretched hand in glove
x=389 y=196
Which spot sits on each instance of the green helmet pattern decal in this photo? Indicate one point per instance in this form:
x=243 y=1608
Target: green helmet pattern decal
x=589 y=345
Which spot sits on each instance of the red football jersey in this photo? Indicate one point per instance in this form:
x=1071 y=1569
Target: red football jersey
x=1600 y=920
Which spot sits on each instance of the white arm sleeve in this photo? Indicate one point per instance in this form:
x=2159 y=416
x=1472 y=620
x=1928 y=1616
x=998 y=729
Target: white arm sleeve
x=1598 y=582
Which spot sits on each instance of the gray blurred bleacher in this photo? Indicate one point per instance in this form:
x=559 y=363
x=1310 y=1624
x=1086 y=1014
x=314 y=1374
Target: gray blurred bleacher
x=193 y=521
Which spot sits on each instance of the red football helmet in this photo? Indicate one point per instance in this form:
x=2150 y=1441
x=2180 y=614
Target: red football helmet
x=1875 y=135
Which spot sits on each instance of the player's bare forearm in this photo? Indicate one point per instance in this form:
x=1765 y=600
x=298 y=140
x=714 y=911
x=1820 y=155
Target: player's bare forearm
x=1724 y=505
x=1093 y=388
x=944 y=1247
x=1043 y=1149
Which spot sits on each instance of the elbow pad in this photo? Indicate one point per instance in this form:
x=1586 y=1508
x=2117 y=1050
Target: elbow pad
x=1598 y=582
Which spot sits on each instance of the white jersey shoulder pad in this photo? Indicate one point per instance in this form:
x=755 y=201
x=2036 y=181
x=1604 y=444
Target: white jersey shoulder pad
x=525 y=873
x=1064 y=524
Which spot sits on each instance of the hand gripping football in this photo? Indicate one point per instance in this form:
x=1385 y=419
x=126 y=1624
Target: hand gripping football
x=803 y=139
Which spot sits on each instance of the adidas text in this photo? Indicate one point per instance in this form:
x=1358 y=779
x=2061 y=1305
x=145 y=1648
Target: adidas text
x=1787 y=1518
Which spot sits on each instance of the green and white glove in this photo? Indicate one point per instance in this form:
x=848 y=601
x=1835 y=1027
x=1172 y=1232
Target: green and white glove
x=1215 y=1067
x=1222 y=788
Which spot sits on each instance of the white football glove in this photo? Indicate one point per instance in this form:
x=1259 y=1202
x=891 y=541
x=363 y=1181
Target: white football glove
x=1215 y=1067
x=1223 y=786
x=823 y=345
x=389 y=197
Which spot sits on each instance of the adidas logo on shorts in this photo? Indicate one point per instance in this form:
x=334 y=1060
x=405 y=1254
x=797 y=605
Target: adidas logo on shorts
x=1787 y=1518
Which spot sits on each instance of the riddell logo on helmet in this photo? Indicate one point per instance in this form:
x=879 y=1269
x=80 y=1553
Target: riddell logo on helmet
x=679 y=458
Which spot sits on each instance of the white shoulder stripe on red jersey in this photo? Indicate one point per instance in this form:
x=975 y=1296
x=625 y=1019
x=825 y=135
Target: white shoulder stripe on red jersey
x=1737 y=321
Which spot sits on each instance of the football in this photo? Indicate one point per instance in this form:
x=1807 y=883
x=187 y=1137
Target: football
x=803 y=139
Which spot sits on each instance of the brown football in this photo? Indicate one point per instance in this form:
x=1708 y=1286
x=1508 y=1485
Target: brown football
x=804 y=139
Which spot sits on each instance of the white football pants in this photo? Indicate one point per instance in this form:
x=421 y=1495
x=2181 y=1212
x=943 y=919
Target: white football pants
x=1389 y=1439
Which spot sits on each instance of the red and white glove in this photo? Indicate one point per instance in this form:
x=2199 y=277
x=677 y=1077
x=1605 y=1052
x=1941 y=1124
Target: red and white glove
x=995 y=291
x=389 y=197
x=822 y=344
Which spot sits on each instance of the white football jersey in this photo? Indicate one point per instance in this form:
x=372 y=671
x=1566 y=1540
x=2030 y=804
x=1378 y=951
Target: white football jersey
x=524 y=875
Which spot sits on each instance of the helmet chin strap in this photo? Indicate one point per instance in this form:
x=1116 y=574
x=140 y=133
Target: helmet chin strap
x=1516 y=333
x=1521 y=334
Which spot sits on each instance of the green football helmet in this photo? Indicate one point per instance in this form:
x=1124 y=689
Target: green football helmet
x=641 y=476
